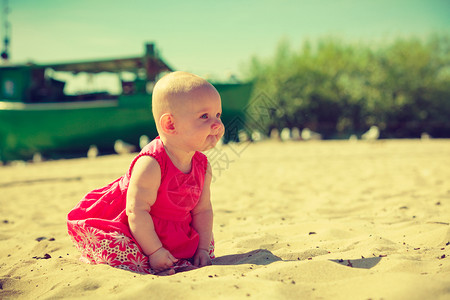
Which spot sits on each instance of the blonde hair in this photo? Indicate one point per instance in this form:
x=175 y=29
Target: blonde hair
x=171 y=90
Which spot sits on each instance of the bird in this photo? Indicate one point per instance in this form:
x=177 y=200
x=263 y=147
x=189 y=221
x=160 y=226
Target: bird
x=92 y=152
x=37 y=157
x=257 y=136
x=295 y=133
x=285 y=134
x=307 y=135
x=274 y=134
x=425 y=136
x=242 y=136
x=353 y=138
x=372 y=134
x=143 y=141
x=122 y=147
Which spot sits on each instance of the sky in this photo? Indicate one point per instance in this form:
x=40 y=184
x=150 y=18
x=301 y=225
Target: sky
x=209 y=38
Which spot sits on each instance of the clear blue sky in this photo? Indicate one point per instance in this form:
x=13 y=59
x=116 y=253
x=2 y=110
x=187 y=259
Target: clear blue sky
x=207 y=37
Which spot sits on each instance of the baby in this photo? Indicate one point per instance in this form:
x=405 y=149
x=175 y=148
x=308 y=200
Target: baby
x=157 y=218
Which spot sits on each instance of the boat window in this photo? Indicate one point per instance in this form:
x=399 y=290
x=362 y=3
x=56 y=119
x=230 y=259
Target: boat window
x=85 y=83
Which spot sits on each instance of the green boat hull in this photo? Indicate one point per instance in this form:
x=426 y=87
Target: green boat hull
x=69 y=128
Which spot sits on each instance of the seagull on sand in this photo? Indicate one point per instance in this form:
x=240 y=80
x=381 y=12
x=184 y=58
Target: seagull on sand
x=123 y=148
x=372 y=134
x=307 y=135
x=285 y=134
x=143 y=141
x=92 y=152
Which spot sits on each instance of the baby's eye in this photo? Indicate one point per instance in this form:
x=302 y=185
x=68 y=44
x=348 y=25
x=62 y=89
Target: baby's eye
x=204 y=116
x=218 y=115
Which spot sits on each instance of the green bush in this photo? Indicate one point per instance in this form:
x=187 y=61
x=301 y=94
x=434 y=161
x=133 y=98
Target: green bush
x=340 y=89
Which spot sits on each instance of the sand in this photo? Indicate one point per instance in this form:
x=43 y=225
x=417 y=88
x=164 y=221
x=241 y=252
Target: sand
x=293 y=220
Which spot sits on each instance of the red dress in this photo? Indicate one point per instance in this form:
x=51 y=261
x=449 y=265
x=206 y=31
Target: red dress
x=98 y=225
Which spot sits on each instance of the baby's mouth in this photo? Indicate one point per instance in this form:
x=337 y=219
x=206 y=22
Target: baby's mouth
x=215 y=136
x=218 y=133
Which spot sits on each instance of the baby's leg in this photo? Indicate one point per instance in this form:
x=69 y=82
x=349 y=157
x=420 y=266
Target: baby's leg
x=112 y=248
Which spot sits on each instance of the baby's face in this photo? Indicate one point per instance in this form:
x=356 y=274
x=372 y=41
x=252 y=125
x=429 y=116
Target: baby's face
x=197 y=120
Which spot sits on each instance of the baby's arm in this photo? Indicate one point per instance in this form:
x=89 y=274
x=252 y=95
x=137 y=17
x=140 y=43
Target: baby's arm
x=141 y=195
x=202 y=222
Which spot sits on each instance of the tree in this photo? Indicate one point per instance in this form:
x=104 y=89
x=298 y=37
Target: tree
x=340 y=89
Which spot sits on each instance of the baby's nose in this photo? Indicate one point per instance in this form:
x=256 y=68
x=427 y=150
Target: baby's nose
x=217 y=125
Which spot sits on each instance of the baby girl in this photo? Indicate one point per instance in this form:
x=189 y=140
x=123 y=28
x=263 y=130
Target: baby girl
x=157 y=218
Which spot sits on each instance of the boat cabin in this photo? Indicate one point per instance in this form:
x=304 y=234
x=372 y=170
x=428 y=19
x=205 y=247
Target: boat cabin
x=37 y=83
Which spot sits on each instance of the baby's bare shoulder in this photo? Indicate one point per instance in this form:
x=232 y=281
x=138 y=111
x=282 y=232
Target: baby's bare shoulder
x=145 y=168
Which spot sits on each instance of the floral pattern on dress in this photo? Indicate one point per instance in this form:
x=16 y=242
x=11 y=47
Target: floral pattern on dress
x=138 y=263
x=116 y=250
x=109 y=258
x=89 y=236
x=120 y=240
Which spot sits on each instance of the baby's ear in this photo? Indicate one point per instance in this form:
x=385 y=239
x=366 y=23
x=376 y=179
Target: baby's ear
x=167 y=124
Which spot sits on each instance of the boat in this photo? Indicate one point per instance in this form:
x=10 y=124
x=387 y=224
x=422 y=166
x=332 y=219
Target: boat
x=38 y=116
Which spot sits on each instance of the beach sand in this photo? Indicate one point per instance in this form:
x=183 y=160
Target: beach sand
x=293 y=220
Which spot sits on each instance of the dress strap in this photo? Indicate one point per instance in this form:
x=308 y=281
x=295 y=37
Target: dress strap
x=154 y=149
x=202 y=160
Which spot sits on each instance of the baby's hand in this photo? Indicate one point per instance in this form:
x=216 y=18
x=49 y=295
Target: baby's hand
x=161 y=260
x=201 y=258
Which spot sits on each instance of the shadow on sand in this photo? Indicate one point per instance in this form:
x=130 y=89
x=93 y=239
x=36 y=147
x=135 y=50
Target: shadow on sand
x=362 y=263
x=255 y=257
x=265 y=257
